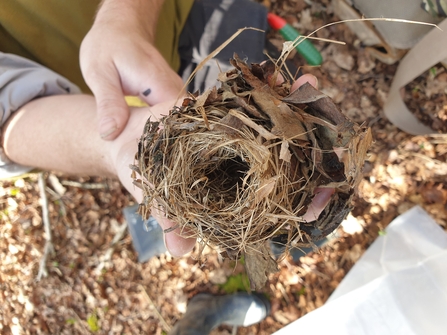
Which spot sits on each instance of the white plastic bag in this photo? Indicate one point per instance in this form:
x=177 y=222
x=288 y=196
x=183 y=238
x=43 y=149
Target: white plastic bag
x=399 y=286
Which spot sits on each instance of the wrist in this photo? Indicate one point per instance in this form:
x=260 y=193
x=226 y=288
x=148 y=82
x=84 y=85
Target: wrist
x=138 y=14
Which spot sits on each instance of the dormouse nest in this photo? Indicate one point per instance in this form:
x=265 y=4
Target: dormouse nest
x=240 y=165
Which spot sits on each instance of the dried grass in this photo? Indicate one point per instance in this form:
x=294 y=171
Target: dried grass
x=239 y=165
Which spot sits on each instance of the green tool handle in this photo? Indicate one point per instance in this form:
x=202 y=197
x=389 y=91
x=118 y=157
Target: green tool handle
x=305 y=47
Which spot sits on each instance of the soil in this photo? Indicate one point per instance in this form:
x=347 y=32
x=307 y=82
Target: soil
x=96 y=285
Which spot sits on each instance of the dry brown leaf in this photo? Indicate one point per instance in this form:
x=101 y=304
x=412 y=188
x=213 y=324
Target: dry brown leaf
x=259 y=264
x=285 y=153
x=265 y=189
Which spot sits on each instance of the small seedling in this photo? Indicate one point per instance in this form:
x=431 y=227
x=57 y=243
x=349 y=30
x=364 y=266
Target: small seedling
x=236 y=283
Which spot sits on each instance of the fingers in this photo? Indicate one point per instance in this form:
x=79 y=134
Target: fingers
x=113 y=111
x=176 y=244
x=306 y=78
x=319 y=202
x=322 y=195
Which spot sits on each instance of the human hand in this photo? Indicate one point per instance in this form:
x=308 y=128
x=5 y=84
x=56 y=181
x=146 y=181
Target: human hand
x=118 y=58
x=322 y=194
x=123 y=150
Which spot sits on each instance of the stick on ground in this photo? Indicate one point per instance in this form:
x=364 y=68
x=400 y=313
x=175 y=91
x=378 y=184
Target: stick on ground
x=46 y=222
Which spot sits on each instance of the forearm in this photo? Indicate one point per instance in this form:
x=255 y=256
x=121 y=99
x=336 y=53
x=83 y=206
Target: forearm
x=58 y=133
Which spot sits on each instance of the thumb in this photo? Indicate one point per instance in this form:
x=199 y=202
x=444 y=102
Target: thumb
x=112 y=109
x=168 y=86
x=174 y=242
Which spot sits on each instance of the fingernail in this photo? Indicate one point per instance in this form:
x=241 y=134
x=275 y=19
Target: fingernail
x=107 y=126
x=172 y=249
x=176 y=245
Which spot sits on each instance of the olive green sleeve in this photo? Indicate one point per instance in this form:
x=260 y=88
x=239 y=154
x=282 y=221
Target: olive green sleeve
x=50 y=32
x=170 y=25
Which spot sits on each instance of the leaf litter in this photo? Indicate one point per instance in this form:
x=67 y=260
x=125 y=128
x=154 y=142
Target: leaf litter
x=401 y=171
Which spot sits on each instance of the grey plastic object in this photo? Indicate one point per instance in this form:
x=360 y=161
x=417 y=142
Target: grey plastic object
x=147 y=236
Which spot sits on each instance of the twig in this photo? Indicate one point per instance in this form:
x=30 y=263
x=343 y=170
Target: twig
x=290 y=46
x=58 y=199
x=80 y=322
x=56 y=184
x=283 y=292
x=119 y=233
x=87 y=186
x=160 y=317
x=46 y=222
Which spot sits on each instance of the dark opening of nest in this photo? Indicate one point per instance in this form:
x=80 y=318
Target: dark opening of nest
x=226 y=177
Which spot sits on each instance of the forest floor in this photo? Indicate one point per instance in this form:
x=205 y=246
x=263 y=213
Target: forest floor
x=96 y=284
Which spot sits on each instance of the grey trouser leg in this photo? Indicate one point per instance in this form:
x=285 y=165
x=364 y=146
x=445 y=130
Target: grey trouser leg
x=205 y=312
x=21 y=81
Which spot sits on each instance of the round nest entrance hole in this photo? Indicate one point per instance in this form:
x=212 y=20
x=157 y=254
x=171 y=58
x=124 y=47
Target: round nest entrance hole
x=226 y=177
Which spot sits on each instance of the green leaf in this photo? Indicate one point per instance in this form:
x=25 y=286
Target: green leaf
x=13 y=192
x=92 y=321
